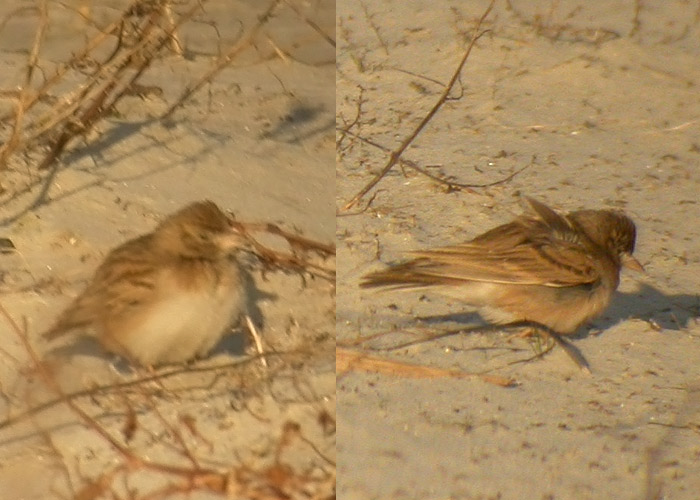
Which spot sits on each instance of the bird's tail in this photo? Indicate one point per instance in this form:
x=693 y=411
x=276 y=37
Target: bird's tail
x=406 y=275
x=71 y=319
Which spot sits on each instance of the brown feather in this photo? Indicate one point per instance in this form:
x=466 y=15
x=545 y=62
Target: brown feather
x=186 y=255
x=528 y=267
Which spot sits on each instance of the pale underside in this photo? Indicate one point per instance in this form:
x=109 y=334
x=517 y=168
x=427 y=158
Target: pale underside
x=564 y=309
x=181 y=323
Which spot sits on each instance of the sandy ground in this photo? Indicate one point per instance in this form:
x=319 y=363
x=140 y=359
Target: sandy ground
x=599 y=102
x=257 y=141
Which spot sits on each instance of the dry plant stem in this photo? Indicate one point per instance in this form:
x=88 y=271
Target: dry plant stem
x=361 y=340
x=192 y=478
x=64 y=471
x=91 y=45
x=51 y=383
x=24 y=96
x=76 y=114
x=142 y=380
x=315 y=448
x=116 y=86
x=278 y=260
x=256 y=339
x=452 y=186
x=324 y=249
x=536 y=356
x=27 y=100
x=225 y=60
x=285 y=261
x=395 y=155
x=65 y=113
x=183 y=449
x=132 y=459
x=308 y=21
x=340 y=150
x=350 y=360
x=175 y=44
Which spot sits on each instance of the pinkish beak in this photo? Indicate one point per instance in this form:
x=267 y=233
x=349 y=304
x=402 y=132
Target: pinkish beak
x=631 y=263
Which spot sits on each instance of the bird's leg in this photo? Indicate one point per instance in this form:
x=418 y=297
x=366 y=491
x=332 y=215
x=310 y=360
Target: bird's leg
x=539 y=341
x=553 y=338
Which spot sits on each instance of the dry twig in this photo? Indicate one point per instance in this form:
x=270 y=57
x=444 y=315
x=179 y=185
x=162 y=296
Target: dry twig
x=351 y=360
x=297 y=261
x=273 y=481
x=396 y=154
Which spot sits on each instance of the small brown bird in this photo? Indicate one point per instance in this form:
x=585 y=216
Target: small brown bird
x=556 y=270
x=165 y=297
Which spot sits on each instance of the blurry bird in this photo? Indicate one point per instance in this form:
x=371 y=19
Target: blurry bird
x=168 y=296
x=559 y=271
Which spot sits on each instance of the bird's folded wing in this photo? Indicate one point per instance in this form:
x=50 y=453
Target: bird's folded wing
x=126 y=279
x=557 y=223
x=554 y=264
x=543 y=248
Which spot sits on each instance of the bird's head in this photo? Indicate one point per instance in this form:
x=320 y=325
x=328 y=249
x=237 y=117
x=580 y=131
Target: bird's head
x=200 y=231
x=611 y=230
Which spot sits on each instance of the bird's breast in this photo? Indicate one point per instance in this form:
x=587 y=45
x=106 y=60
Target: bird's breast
x=183 y=322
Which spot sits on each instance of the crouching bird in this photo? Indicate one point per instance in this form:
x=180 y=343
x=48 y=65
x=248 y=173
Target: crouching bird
x=559 y=271
x=168 y=296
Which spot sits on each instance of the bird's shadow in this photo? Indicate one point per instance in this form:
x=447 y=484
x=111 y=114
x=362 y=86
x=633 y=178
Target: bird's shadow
x=236 y=344
x=666 y=311
x=673 y=312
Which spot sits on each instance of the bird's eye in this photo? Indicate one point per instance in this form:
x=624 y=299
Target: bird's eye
x=204 y=236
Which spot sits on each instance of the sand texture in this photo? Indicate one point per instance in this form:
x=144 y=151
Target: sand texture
x=257 y=139
x=590 y=105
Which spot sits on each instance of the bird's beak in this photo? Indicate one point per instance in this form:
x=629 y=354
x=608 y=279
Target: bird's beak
x=631 y=263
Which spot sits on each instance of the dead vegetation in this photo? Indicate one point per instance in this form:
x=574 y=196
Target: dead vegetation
x=300 y=258
x=395 y=155
x=56 y=106
x=188 y=467
x=62 y=106
x=348 y=134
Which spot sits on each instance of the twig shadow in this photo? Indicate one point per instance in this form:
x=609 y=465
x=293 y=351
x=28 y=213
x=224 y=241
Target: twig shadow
x=294 y=127
x=38 y=191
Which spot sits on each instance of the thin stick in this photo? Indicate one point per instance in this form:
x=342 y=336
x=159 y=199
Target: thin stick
x=257 y=340
x=395 y=155
x=224 y=60
x=308 y=21
x=24 y=95
x=348 y=360
x=136 y=382
x=294 y=261
x=325 y=249
x=452 y=186
x=80 y=56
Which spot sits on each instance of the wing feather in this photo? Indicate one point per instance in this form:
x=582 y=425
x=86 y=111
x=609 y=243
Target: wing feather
x=123 y=283
x=543 y=250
